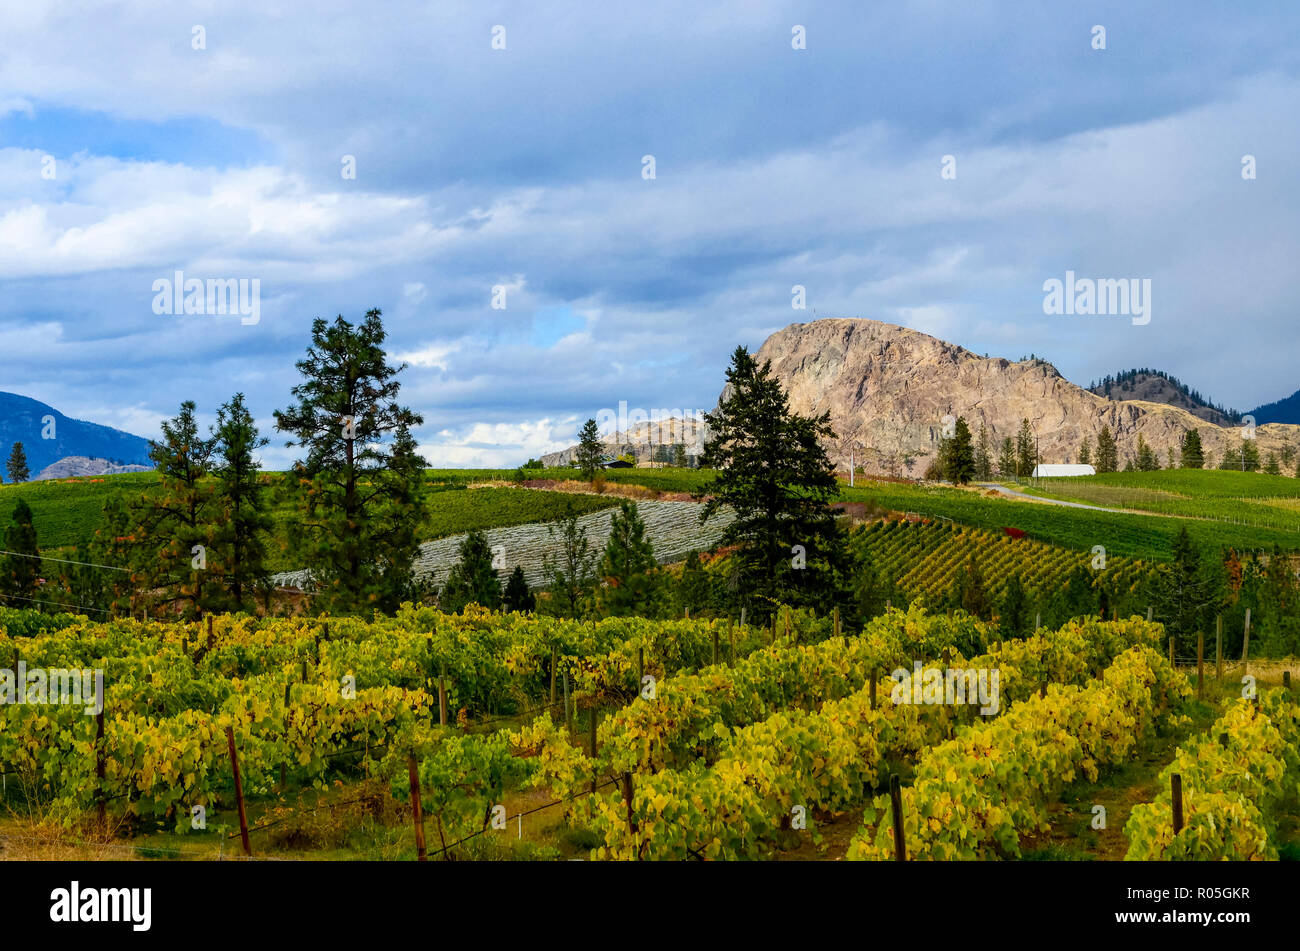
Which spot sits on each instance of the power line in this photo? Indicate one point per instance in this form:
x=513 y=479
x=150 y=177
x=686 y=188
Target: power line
x=57 y=604
x=64 y=561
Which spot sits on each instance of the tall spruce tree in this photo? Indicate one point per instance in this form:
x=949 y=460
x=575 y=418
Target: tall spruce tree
x=1107 y=458
x=630 y=587
x=1192 y=456
x=957 y=454
x=472 y=580
x=773 y=472
x=17 y=466
x=360 y=485
x=572 y=574
x=1007 y=462
x=517 y=596
x=1184 y=595
x=1026 y=450
x=1147 y=460
x=240 y=535
x=589 y=450
x=983 y=456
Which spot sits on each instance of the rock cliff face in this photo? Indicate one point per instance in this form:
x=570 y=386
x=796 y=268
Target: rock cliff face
x=77 y=466
x=888 y=389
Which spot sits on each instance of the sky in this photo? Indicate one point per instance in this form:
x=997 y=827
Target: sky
x=393 y=155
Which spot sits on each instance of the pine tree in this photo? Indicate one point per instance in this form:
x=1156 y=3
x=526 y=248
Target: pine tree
x=590 y=450
x=472 y=580
x=983 y=456
x=174 y=524
x=1146 y=457
x=358 y=496
x=240 y=536
x=1272 y=467
x=693 y=590
x=1026 y=450
x=517 y=595
x=17 y=466
x=1085 y=453
x=679 y=455
x=958 y=455
x=627 y=566
x=1192 y=455
x=773 y=472
x=20 y=569
x=1007 y=462
x=1184 y=596
x=1107 y=451
x=572 y=575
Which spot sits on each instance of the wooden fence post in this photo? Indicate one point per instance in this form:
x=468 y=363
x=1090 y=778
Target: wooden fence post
x=874 y=674
x=837 y=621
x=417 y=808
x=593 y=748
x=1218 y=646
x=1200 y=665
x=284 y=766
x=442 y=695
x=715 y=648
x=1148 y=613
x=553 y=662
x=1245 y=644
x=239 y=791
x=896 y=807
x=1176 y=789
x=1171 y=652
x=568 y=714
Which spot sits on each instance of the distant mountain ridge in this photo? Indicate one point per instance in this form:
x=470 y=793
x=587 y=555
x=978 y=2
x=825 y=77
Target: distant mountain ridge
x=1282 y=411
x=25 y=420
x=1156 y=386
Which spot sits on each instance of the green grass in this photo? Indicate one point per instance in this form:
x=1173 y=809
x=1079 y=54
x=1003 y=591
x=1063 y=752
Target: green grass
x=1248 y=499
x=1137 y=536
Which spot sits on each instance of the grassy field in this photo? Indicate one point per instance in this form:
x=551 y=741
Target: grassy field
x=1240 y=498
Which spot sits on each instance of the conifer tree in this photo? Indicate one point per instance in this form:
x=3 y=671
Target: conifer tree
x=472 y=580
x=240 y=534
x=17 y=466
x=21 y=567
x=627 y=566
x=1192 y=456
x=590 y=450
x=517 y=595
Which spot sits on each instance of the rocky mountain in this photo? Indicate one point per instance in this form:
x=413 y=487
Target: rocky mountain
x=48 y=436
x=888 y=389
x=79 y=466
x=644 y=440
x=1152 y=386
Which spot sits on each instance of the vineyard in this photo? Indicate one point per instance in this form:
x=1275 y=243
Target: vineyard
x=687 y=739
x=928 y=558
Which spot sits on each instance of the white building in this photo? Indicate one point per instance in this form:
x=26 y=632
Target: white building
x=1049 y=470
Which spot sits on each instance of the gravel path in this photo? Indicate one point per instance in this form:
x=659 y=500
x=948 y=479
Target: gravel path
x=673 y=528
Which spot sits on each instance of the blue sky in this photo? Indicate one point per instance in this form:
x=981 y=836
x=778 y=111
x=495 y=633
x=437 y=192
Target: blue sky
x=521 y=169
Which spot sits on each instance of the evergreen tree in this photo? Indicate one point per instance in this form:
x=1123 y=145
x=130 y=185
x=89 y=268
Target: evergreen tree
x=1107 y=451
x=174 y=524
x=627 y=566
x=360 y=486
x=1085 y=453
x=1184 y=596
x=20 y=569
x=957 y=455
x=240 y=535
x=572 y=575
x=1192 y=455
x=679 y=455
x=983 y=456
x=1249 y=455
x=17 y=466
x=1026 y=450
x=1007 y=459
x=1271 y=466
x=773 y=472
x=517 y=595
x=472 y=580
x=590 y=451
x=1147 y=461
